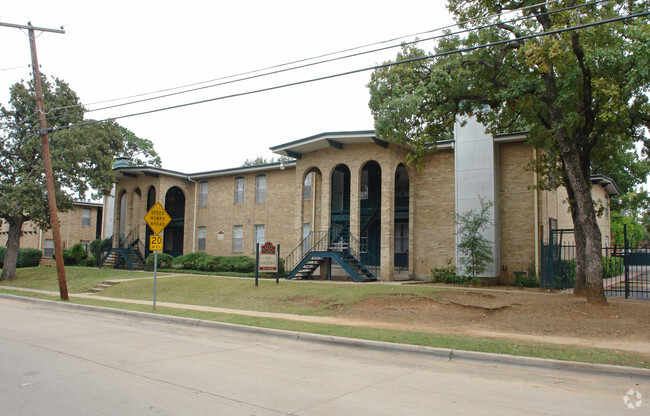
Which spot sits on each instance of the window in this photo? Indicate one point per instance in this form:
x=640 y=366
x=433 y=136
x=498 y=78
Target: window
x=306 y=230
x=363 y=193
x=259 y=235
x=237 y=238
x=48 y=249
x=239 y=190
x=201 y=238
x=85 y=217
x=203 y=194
x=260 y=188
x=307 y=188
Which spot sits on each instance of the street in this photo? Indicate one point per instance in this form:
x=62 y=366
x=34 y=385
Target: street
x=57 y=361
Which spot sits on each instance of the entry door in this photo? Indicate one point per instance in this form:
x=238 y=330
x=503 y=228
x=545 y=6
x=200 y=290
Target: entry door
x=401 y=244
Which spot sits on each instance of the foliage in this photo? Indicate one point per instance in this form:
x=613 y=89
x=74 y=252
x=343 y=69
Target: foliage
x=612 y=267
x=139 y=151
x=209 y=263
x=448 y=275
x=526 y=280
x=75 y=256
x=27 y=257
x=260 y=160
x=82 y=155
x=475 y=251
x=582 y=95
x=98 y=248
x=165 y=261
x=635 y=231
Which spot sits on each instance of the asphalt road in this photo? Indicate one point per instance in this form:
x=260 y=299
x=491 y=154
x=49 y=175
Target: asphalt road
x=71 y=362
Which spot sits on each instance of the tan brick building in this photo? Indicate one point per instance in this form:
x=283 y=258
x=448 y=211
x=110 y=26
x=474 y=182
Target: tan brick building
x=397 y=219
x=81 y=224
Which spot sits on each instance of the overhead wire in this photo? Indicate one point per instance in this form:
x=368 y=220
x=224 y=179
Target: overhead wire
x=356 y=71
x=321 y=62
x=320 y=56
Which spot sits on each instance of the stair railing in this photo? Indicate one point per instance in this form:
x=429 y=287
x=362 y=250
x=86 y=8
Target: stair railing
x=371 y=260
x=315 y=241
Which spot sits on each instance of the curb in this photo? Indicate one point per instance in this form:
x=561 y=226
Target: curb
x=431 y=352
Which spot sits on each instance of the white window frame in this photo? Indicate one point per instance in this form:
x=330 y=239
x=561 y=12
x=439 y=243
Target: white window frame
x=202 y=234
x=203 y=194
x=239 y=190
x=307 y=186
x=237 y=238
x=258 y=235
x=86 y=215
x=48 y=248
x=260 y=189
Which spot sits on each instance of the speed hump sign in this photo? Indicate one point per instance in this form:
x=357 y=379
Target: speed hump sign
x=155 y=242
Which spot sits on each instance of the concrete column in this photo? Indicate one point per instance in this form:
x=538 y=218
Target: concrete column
x=476 y=161
x=387 y=251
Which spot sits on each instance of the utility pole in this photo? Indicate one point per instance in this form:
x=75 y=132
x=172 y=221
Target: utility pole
x=45 y=150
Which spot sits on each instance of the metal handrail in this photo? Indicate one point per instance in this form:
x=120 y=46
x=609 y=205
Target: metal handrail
x=315 y=241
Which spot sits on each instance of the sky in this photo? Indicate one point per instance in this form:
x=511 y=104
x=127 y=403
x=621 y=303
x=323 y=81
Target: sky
x=121 y=48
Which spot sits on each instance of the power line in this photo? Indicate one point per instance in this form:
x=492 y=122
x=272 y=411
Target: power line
x=323 y=61
x=319 y=56
x=356 y=71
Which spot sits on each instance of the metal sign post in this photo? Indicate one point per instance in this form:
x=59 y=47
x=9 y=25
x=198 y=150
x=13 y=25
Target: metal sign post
x=157 y=219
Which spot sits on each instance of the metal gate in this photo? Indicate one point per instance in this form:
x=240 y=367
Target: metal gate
x=626 y=270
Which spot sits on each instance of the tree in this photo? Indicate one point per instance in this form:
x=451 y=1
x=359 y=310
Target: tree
x=635 y=231
x=138 y=150
x=475 y=250
x=581 y=94
x=82 y=158
x=260 y=160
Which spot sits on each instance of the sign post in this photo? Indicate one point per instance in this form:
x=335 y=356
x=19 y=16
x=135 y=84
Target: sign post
x=157 y=219
x=267 y=260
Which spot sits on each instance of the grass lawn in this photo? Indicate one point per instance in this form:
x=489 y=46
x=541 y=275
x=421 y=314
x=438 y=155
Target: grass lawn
x=79 y=279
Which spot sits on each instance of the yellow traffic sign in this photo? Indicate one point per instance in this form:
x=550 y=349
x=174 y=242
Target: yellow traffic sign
x=157 y=218
x=155 y=242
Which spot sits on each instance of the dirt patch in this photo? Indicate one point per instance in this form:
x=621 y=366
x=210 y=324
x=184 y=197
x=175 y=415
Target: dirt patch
x=515 y=314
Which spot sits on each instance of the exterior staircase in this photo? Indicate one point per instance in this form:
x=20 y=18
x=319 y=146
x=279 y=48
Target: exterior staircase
x=127 y=255
x=321 y=246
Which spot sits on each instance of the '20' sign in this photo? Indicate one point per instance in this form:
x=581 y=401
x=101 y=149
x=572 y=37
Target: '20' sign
x=155 y=243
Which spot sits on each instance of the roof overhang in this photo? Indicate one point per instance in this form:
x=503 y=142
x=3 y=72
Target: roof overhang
x=337 y=140
x=151 y=171
x=607 y=183
x=243 y=170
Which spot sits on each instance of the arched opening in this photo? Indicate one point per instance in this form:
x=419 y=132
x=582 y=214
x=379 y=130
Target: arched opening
x=151 y=200
x=340 y=204
x=122 y=218
x=370 y=213
x=401 y=218
x=311 y=206
x=173 y=234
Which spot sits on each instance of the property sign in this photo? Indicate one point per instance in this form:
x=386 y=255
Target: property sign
x=268 y=262
x=155 y=242
x=157 y=218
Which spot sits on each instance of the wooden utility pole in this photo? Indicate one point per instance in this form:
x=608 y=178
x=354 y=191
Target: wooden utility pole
x=45 y=150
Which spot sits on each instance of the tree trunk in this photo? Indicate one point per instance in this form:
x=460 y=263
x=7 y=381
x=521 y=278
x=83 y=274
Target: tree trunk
x=580 y=288
x=13 y=244
x=586 y=220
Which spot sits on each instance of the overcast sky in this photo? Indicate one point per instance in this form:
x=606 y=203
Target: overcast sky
x=120 y=48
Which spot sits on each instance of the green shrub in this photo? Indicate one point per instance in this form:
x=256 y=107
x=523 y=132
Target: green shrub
x=98 y=248
x=208 y=263
x=190 y=260
x=526 y=280
x=28 y=257
x=91 y=261
x=567 y=278
x=165 y=261
x=244 y=264
x=448 y=275
x=3 y=251
x=612 y=266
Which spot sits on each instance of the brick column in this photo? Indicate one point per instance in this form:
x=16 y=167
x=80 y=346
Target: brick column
x=355 y=173
x=298 y=219
x=326 y=198
x=387 y=252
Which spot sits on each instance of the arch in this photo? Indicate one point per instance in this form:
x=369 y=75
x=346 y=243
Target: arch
x=311 y=204
x=174 y=232
x=402 y=193
x=370 y=213
x=340 y=203
x=122 y=215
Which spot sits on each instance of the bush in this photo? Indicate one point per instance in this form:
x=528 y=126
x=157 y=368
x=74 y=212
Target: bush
x=448 y=275
x=75 y=256
x=3 y=251
x=98 y=248
x=526 y=280
x=91 y=261
x=165 y=261
x=28 y=257
x=208 y=263
x=612 y=266
x=244 y=264
x=190 y=260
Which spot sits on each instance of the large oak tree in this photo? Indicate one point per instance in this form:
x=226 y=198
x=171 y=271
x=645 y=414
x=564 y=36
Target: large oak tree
x=581 y=94
x=82 y=158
